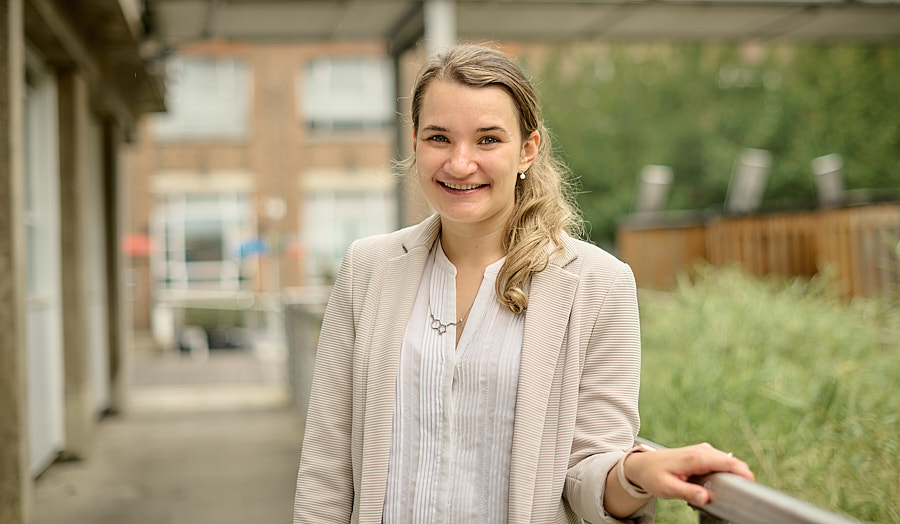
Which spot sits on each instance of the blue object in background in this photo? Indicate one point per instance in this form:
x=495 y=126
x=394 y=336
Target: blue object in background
x=250 y=248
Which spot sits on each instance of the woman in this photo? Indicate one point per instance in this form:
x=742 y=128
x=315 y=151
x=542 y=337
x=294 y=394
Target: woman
x=483 y=366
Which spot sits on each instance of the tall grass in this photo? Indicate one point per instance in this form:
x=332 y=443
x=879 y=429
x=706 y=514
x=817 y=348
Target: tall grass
x=802 y=386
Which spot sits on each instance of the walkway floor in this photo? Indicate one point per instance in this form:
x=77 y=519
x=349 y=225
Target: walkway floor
x=204 y=442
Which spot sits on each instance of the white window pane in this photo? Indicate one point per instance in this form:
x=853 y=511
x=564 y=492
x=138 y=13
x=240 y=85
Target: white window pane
x=201 y=235
x=334 y=219
x=348 y=93
x=206 y=99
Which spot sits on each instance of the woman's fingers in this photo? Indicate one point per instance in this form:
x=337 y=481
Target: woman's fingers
x=676 y=488
x=742 y=469
x=703 y=459
x=666 y=472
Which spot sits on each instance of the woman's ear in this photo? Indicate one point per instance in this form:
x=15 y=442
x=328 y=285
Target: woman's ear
x=529 y=151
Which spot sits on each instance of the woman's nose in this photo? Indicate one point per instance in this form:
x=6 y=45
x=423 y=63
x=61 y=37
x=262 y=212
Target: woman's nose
x=461 y=161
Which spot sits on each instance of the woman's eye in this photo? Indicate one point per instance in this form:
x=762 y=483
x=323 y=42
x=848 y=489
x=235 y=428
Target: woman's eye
x=489 y=140
x=437 y=138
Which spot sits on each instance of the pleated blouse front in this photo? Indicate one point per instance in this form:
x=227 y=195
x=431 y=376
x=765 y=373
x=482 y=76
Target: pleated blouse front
x=453 y=414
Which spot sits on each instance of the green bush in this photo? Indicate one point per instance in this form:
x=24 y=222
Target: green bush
x=802 y=386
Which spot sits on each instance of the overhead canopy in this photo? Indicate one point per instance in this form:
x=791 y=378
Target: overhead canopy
x=102 y=38
x=401 y=22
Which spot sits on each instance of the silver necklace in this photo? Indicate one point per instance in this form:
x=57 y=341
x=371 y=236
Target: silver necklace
x=436 y=323
x=441 y=327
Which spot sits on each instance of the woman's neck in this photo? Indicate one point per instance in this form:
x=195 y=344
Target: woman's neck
x=471 y=246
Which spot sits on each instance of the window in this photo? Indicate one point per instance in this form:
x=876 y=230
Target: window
x=208 y=99
x=348 y=94
x=41 y=186
x=200 y=236
x=44 y=352
x=335 y=218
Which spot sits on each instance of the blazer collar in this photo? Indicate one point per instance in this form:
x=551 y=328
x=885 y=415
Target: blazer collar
x=402 y=275
x=568 y=254
x=422 y=235
x=546 y=328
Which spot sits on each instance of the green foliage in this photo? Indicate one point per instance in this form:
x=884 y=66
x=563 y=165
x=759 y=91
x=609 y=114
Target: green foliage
x=803 y=387
x=694 y=107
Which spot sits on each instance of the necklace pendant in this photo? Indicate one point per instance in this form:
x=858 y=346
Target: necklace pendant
x=439 y=326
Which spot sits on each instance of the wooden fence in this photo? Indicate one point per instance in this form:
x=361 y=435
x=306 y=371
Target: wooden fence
x=859 y=244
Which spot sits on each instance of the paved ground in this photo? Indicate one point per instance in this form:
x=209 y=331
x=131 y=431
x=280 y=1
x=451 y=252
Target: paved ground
x=204 y=442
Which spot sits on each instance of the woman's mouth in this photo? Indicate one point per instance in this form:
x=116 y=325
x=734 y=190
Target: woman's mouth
x=461 y=187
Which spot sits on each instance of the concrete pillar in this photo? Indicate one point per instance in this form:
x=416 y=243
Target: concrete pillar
x=119 y=314
x=73 y=172
x=440 y=25
x=15 y=478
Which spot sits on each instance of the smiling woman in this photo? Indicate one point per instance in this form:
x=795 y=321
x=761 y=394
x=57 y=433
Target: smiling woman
x=483 y=366
x=468 y=156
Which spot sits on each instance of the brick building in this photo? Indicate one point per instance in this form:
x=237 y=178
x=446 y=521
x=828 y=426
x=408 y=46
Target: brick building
x=271 y=159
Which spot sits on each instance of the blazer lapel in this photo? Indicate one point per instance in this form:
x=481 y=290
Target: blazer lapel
x=398 y=293
x=546 y=323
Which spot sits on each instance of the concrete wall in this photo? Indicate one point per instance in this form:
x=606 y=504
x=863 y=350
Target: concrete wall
x=15 y=482
x=102 y=86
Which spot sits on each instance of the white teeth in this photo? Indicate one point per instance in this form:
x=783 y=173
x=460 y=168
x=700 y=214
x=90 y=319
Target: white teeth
x=461 y=187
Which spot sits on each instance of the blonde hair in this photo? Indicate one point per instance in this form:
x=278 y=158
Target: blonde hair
x=544 y=210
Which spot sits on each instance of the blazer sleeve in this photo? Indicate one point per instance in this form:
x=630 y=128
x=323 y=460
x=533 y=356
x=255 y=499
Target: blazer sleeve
x=324 y=491
x=607 y=419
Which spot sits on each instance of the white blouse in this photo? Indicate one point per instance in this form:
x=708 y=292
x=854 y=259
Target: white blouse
x=453 y=414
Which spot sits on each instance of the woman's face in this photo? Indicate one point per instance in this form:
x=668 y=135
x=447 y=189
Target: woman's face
x=469 y=151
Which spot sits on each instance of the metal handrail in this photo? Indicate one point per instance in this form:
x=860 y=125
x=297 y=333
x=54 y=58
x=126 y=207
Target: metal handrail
x=740 y=501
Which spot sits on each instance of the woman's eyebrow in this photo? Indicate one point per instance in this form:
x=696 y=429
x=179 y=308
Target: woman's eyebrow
x=489 y=129
x=493 y=129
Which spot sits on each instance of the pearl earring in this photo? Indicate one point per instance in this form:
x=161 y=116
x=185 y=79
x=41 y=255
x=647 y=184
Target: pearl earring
x=522 y=175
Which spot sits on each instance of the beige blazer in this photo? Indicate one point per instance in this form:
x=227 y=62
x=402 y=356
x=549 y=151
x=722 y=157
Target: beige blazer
x=577 y=398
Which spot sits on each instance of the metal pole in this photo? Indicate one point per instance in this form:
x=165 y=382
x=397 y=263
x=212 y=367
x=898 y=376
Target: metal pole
x=440 y=25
